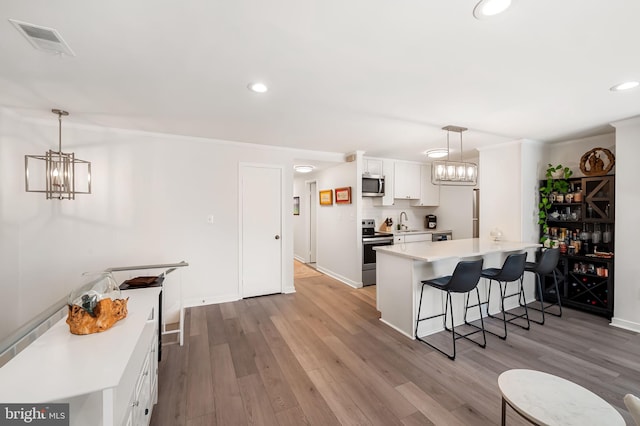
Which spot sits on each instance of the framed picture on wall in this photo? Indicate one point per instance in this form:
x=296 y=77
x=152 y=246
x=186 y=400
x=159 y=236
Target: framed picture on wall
x=326 y=197
x=343 y=195
x=296 y=206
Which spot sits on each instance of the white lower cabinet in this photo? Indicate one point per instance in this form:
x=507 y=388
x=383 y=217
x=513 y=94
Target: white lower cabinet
x=141 y=405
x=411 y=238
x=145 y=394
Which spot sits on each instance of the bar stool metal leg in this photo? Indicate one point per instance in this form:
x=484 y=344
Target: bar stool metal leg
x=544 y=308
x=481 y=328
x=448 y=305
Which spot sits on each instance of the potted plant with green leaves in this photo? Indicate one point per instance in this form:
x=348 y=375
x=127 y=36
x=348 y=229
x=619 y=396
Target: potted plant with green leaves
x=556 y=183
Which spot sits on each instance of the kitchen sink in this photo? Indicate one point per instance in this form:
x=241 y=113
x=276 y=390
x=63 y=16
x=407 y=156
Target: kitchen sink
x=411 y=230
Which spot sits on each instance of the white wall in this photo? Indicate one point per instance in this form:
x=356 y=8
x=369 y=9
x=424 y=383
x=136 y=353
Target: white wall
x=627 y=251
x=508 y=194
x=339 y=242
x=568 y=153
x=533 y=162
x=500 y=184
x=508 y=181
x=300 y=222
x=152 y=195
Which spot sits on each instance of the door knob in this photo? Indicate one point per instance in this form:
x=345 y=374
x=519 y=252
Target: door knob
x=277 y=237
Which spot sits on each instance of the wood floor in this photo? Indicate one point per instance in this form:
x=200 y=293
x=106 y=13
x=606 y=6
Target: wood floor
x=322 y=357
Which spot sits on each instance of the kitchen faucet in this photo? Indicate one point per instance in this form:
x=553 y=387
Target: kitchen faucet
x=402 y=225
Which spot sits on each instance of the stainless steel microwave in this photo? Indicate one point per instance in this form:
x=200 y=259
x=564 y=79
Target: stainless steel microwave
x=372 y=185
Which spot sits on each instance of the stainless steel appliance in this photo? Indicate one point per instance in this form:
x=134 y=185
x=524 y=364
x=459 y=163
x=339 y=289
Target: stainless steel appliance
x=372 y=185
x=441 y=236
x=430 y=221
x=370 y=239
x=476 y=213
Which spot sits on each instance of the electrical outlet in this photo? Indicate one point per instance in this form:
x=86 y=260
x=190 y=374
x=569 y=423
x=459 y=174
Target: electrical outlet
x=210 y=219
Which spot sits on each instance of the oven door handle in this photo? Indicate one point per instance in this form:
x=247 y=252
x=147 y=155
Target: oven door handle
x=377 y=240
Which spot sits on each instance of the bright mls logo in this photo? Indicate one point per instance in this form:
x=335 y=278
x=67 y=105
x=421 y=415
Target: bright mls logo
x=34 y=414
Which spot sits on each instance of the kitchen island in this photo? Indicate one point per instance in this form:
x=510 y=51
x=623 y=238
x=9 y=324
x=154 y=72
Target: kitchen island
x=402 y=267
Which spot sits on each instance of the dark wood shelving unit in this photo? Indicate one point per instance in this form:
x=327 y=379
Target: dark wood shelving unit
x=586 y=282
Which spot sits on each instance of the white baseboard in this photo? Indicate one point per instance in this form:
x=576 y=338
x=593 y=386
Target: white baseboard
x=397 y=329
x=627 y=325
x=339 y=277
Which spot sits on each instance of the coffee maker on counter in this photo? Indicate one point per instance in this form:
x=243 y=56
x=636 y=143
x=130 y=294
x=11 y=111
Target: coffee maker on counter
x=430 y=221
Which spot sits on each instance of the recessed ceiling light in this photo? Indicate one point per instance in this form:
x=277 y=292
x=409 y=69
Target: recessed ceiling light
x=486 y=8
x=436 y=153
x=257 y=87
x=304 y=168
x=624 y=86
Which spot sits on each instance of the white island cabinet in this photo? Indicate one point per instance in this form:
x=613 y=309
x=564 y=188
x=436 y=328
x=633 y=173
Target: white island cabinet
x=108 y=378
x=400 y=269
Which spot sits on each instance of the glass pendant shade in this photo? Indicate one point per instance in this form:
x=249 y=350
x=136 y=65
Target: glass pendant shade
x=57 y=173
x=447 y=172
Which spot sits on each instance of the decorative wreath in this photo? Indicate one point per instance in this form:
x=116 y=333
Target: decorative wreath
x=596 y=165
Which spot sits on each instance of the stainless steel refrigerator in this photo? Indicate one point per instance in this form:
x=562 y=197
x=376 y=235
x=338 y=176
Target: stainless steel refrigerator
x=476 y=213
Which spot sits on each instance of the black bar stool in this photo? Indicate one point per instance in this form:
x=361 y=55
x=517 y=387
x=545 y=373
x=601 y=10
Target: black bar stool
x=463 y=280
x=547 y=265
x=512 y=271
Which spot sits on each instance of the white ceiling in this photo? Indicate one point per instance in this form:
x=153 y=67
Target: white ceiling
x=383 y=76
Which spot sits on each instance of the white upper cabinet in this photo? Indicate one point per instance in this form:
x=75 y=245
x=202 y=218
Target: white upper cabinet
x=372 y=167
x=429 y=193
x=407 y=180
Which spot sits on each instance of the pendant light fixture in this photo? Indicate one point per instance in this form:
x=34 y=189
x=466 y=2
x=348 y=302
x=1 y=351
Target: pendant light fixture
x=454 y=172
x=59 y=171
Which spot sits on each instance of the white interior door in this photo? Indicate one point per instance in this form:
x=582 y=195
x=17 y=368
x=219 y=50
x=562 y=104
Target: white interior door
x=313 y=202
x=260 y=228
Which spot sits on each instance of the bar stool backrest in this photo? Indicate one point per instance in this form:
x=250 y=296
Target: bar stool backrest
x=513 y=267
x=466 y=276
x=548 y=261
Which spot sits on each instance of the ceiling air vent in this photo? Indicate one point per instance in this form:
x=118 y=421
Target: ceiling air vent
x=43 y=38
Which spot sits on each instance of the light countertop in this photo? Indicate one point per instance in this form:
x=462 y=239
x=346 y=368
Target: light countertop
x=430 y=251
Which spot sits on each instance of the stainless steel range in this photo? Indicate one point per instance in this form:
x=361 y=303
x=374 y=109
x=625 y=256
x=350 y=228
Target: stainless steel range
x=370 y=239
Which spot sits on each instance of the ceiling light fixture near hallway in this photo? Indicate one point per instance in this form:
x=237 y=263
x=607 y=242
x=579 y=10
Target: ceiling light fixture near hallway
x=624 y=86
x=304 y=168
x=487 y=8
x=59 y=171
x=446 y=172
x=436 y=153
x=257 y=87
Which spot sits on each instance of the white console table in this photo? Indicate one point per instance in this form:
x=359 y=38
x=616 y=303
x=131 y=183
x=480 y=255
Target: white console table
x=108 y=378
x=168 y=268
